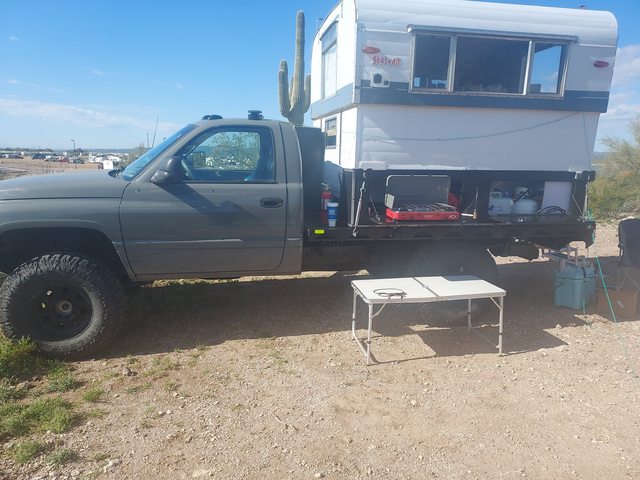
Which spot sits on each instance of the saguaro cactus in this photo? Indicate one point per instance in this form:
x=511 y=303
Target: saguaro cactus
x=294 y=102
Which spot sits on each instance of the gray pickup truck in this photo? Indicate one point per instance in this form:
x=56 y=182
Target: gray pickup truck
x=224 y=198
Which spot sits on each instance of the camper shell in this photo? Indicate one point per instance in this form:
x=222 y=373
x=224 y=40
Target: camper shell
x=502 y=98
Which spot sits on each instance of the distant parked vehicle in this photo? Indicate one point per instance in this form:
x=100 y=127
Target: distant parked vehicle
x=77 y=160
x=64 y=160
x=13 y=155
x=39 y=156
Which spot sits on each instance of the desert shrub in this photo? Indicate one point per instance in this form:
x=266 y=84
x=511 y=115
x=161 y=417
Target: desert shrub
x=18 y=359
x=616 y=190
x=18 y=419
x=26 y=451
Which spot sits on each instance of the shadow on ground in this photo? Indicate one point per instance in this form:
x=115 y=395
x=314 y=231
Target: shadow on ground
x=173 y=316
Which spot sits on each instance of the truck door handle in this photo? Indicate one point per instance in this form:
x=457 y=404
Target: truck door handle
x=271 y=202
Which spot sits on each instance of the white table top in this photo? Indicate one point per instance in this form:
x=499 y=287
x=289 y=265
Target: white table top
x=424 y=289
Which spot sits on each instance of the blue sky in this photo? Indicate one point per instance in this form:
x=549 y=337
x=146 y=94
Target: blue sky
x=102 y=71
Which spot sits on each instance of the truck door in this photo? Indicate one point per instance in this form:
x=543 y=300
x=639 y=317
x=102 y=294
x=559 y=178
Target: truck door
x=226 y=214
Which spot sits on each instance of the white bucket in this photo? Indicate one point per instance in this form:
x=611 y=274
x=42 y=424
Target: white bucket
x=524 y=206
x=499 y=205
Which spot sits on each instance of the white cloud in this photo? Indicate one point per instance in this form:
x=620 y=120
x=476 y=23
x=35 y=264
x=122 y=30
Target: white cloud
x=627 y=68
x=78 y=115
x=179 y=86
x=14 y=81
x=622 y=112
x=97 y=72
x=14 y=39
x=624 y=106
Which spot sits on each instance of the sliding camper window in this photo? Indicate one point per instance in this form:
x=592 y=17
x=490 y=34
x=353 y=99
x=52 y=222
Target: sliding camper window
x=329 y=61
x=490 y=65
x=546 y=68
x=487 y=65
x=431 y=62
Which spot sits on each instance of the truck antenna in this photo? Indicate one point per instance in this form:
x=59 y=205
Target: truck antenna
x=154 y=132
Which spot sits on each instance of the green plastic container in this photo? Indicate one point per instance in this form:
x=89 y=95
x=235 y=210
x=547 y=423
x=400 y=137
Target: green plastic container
x=574 y=287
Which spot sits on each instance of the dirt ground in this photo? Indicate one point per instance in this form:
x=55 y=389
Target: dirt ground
x=260 y=379
x=10 y=167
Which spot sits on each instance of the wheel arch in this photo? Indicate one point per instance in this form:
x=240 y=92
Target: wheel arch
x=20 y=245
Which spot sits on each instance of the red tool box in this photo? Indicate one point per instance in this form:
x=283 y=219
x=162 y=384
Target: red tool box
x=419 y=198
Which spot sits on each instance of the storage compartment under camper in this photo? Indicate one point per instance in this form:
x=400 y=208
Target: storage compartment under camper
x=419 y=198
x=522 y=197
x=471 y=196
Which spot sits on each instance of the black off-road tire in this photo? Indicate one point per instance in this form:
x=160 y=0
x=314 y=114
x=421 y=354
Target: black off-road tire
x=453 y=258
x=70 y=305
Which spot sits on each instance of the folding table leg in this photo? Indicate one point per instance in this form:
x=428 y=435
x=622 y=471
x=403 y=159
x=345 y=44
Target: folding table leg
x=469 y=326
x=369 y=334
x=353 y=317
x=500 y=327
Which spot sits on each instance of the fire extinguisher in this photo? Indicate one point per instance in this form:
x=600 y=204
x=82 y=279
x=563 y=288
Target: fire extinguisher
x=325 y=197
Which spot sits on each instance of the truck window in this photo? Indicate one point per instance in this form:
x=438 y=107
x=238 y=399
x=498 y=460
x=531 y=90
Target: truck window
x=141 y=163
x=230 y=155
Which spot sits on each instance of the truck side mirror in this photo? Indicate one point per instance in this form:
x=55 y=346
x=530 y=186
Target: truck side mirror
x=169 y=170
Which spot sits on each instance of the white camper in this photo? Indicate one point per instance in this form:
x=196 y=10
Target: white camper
x=461 y=85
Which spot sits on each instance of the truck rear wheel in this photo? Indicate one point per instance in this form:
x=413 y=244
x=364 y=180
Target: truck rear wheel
x=69 y=305
x=454 y=258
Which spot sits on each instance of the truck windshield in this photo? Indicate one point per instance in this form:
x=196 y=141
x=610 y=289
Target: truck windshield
x=137 y=166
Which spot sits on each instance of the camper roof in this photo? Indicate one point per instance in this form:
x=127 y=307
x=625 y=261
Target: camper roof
x=588 y=26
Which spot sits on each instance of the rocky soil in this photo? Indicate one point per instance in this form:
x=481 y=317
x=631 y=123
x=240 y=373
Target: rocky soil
x=260 y=379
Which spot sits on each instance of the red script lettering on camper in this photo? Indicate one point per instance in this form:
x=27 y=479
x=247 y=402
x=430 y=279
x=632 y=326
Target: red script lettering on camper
x=378 y=60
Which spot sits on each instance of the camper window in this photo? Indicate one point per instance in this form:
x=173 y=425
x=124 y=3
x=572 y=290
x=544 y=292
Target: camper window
x=490 y=65
x=329 y=61
x=431 y=62
x=331 y=132
x=546 y=73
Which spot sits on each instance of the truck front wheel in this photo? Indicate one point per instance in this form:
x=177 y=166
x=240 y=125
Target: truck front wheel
x=69 y=305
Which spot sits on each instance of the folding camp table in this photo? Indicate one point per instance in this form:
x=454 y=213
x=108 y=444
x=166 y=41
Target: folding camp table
x=423 y=290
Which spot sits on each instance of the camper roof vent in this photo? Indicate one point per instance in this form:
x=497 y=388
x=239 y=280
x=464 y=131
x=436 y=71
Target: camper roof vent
x=255 y=115
x=212 y=117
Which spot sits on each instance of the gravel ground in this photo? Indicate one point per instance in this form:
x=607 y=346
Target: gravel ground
x=259 y=379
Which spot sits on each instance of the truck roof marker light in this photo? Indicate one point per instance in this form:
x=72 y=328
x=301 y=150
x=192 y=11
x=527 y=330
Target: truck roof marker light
x=600 y=64
x=212 y=117
x=255 y=115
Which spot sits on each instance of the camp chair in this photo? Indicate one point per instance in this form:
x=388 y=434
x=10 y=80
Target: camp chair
x=629 y=261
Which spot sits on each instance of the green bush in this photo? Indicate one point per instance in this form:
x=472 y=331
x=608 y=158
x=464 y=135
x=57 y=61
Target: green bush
x=62 y=456
x=61 y=379
x=9 y=392
x=18 y=419
x=616 y=190
x=18 y=360
x=23 y=452
x=93 y=394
